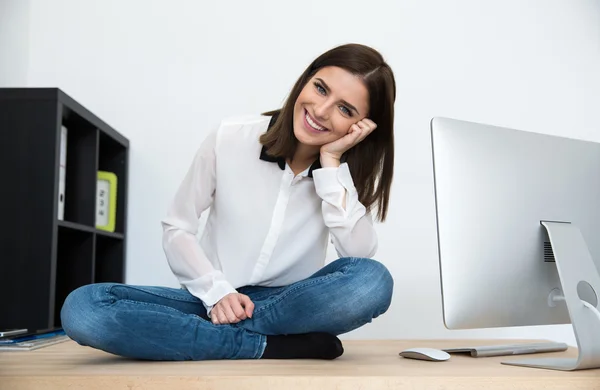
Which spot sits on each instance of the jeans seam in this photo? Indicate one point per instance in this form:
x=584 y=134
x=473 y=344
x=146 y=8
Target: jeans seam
x=261 y=345
x=307 y=283
x=192 y=299
x=161 y=306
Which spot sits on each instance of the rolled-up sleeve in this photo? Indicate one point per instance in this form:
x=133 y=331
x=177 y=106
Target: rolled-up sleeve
x=185 y=257
x=351 y=227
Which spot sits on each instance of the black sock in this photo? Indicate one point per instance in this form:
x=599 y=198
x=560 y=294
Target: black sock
x=303 y=346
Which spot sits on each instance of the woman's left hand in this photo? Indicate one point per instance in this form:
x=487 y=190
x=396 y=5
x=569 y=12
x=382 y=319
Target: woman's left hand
x=333 y=151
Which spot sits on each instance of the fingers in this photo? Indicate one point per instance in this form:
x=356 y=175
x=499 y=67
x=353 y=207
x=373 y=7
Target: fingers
x=362 y=128
x=222 y=315
x=228 y=311
x=247 y=303
x=232 y=309
x=367 y=126
x=237 y=309
x=372 y=125
x=213 y=316
x=355 y=132
x=217 y=316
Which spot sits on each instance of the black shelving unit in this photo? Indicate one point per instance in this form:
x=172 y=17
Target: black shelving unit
x=42 y=257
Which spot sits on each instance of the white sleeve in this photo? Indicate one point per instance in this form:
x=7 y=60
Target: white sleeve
x=185 y=256
x=351 y=228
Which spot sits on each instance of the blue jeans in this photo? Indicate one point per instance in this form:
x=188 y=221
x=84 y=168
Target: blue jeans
x=161 y=323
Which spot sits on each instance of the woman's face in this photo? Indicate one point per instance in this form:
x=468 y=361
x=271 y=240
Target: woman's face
x=332 y=101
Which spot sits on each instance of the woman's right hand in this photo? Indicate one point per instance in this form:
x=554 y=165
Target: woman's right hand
x=231 y=309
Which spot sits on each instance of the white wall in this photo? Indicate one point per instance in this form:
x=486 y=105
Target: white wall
x=164 y=73
x=14 y=42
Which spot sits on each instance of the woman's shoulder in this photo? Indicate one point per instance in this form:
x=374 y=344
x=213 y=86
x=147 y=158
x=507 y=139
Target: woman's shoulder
x=242 y=127
x=242 y=130
x=245 y=120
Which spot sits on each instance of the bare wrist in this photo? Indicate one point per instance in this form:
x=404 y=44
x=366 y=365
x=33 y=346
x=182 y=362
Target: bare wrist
x=328 y=161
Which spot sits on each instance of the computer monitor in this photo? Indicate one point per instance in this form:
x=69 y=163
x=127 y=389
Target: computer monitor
x=518 y=223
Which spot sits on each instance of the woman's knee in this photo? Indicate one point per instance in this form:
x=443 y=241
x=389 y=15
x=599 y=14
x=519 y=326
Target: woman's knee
x=80 y=315
x=373 y=284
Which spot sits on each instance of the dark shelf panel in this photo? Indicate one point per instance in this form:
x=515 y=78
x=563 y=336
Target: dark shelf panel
x=116 y=236
x=68 y=101
x=33 y=94
x=89 y=229
x=55 y=256
x=28 y=133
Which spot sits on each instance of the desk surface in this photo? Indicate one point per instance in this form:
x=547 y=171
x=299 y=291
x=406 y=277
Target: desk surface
x=364 y=365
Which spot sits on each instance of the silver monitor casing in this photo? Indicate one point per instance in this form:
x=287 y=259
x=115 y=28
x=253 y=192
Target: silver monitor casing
x=498 y=193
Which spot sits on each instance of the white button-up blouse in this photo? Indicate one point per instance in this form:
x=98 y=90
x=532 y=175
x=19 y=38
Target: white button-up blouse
x=266 y=226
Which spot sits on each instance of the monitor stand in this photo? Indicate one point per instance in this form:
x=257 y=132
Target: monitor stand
x=581 y=284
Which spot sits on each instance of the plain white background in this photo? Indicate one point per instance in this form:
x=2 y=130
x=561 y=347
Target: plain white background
x=14 y=42
x=164 y=73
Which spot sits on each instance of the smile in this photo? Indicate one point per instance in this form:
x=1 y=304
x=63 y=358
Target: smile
x=313 y=123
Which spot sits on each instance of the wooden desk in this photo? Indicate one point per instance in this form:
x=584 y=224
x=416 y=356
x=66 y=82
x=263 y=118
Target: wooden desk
x=365 y=365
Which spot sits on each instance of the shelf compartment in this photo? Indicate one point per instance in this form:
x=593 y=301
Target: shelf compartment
x=74 y=264
x=110 y=255
x=81 y=168
x=112 y=157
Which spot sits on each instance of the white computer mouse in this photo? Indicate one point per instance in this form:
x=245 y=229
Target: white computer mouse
x=431 y=354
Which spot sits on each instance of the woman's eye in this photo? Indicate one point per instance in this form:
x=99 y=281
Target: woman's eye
x=320 y=89
x=345 y=110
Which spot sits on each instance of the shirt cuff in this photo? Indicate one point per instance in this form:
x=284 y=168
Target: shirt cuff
x=219 y=289
x=331 y=184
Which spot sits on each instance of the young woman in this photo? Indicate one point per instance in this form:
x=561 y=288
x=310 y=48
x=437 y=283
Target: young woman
x=280 y=186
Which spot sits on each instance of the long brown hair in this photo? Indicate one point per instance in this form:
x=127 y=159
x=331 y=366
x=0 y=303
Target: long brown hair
x=371 y=161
